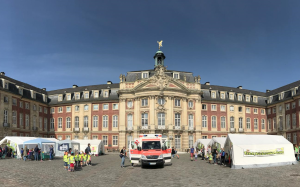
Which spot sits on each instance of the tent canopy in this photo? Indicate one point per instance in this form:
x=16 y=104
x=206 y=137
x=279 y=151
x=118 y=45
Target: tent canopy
x=64 y=145
x=252 y=151
x=219 y=140
x=38 y=141
x=68 y=141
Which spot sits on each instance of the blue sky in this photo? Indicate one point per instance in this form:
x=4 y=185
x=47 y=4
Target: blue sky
x=56 y=44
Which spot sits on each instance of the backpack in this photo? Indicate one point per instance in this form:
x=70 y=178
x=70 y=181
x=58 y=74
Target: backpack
x=86 y=151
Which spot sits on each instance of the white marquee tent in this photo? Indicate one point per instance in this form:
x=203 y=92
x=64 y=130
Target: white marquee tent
x=204 y=142
x=97 y=146
x=253 y=151
x=16 y=142
x=218 y=141
x=64 y=145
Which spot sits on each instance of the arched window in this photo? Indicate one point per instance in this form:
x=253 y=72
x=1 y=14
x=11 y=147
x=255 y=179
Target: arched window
x=241 y=123
x=76 y=122
x=85 y=121
x=177 y=119
x=213 y=122
x=191 y=120
x=95 y=121
x=68 y=122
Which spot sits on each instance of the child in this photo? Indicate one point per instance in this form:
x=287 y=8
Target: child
x=72 y=162
x=66 y=160
x=77 y=159
x=196 y=155
x=210 y=158
x=22 y=152
x=81 y=158
x=69 y=155
x=84 y=159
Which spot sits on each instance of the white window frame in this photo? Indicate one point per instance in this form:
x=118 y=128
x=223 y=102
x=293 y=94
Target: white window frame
x=191 y=104
x=161 y=118
x=231 y=108
x=223 y=108
x=145 y=75
x=105 y=140
x=76 y=122
x=240 y=122
x=95 y=121
x=68 y=97
x=191 y=120
x=129 y=120
x=60 y=98
x=240 y=97
x=262 y=123
x=105 y=107
x=214 y=107
x=68 y=109
x=41 y=123
x=294 y=120
x=204 y=121
x=115 y=106
x=231 y=122
x=77 y=96
x=59 y=123
x=248 y=110
x=95 y=106
x=293 y=105
x=248 y=123
x=21 y=120
x=254 y=99
x=77 y=108
x=115 y=121
x=256 y=123
x=86 y=95
x=204 y=107
x=27 y=120
x=105 y=121
x=144 y=118
x=222 y=95
x=14 y=117
x=96 y=94
x=223 y=122
x=115 y=140
x=177 y=119
x=213 y=122
x=68 y=122
x=176 y=75
x=262 y=111
x=255 y=111
x=288 y=121
x=177 y=102
x=86 y=121
x=213 y=94
x=94 y=137
x=247 y=98
x=231 y=96
x=60 y=109
x=86 y=107
x=52 y=123
x=129 y=104
x=287 y=106
x=105 y=93
x=144 y=102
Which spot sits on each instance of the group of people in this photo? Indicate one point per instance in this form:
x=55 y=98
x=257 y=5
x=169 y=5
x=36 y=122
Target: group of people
x=77 y=160
x=213 y=155
x=35 y=153
x=7 y=151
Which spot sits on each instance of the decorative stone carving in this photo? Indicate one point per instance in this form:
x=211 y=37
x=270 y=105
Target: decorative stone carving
x=195 y=79
x=199 y=78
x=121 y=78
x=184 y=78
x=160 y=79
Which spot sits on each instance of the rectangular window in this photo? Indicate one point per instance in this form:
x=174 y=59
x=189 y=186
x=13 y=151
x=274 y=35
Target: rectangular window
x=68 y=122
x=60 y=109
x=96 y=94
x=95 y=121
x=52 y=110
x=41 y=123
x=45 y=110
x=213 y=122
x=76 y=122
x=240 y=97
x=293 y=105
x=69 y=97
x=240 y=123
x=288 y=137
x=34 y=107
x=274 y=123
x=214 y=107
x=177 y=142
x=115 y=121
x=85 y=137
x=274 y=110
x=255 y=110
x=144 y=102
x=145 y=75
x=51 y=123
x=287 y=106
x=59 y=137
x=295 y=138
x=280 y=108
x=59 y=123
x=105 y=93
x=262 y=111
x=68 y=137
x=77 y=96
x=255 y=123
x=231 y=96
x=203 y=106
x=105 y=121
x=223 y=122
x=45 y=124
x=129 y=121
x=68 y=109
x=20 y=91
x=161 y=119
x=262 y=123
x=240 y=109
x=177 y=102
x=204 y=137
x=60 y=98
x=76 y=137
x=86 y=95
x=161 y=101
x=269 y=111
x=115 y=140
x=95 y=107
x=269 y=124
x=27 y=105
x=14 y=101
x=288 y=121
x=5 y=99
x=85 y=121
x=248 y=110
x=204 y=121
x=95 y=137
x=21 y=104
x=213 y=94
x=294 y=120
x=176 y=75
x=86 y=107
x=14 y=117
x=27 y=120
x=248 y=123
x=41 y=109
x=255 y=99
x=21 y=120
x=232 y=122
x=191 y=120
x=105 y=106
x=222 y=95
x=104 y=139
x=191 y=141
x=223 y=108
x=248 y=98
x=145 y=119
x=177 y=119
x=115 y=106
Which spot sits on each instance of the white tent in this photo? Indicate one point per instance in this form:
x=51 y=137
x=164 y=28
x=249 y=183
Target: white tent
x=43 y=143
x=253 y=151
x=218 y=142
x=97 y=146
x=16 y=142
x=64 y=145
x=202 y=142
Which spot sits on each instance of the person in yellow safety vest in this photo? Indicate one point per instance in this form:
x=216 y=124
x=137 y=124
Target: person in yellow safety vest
x=88 y=160
x=72 y=162
x=77 y=159
x=66 y=160
x=69 y=162
x=81 y=158
x=84 y=159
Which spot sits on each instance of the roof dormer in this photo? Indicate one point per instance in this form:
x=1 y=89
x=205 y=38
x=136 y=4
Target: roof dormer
x=33 y=94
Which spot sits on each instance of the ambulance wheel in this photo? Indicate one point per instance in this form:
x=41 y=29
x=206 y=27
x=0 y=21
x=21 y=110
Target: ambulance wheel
x=142 y=166
x=162 y=166
x=131 y=164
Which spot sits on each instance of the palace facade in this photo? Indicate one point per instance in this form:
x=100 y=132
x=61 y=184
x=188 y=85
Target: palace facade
x=172 y=103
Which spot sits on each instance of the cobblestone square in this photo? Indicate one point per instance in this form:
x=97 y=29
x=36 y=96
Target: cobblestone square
x=106 y=171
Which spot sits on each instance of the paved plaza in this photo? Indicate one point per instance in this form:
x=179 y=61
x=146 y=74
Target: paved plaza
x=106 y=171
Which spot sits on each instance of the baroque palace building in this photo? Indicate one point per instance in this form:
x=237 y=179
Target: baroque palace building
x=172 y=103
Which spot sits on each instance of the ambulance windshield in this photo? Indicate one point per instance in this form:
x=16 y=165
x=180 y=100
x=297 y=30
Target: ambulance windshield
x=151 y=145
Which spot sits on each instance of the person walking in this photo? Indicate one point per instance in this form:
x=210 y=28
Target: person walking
x=215 y=156
x=36 y=153
x=223 y=157
x=203 y=152
x=123 y=154
x=88 y=149
x=192 y=150
x=173 y=152
x=25 y=153
x=51 y=153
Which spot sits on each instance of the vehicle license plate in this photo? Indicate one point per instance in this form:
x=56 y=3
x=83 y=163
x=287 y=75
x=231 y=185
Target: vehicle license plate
x=152 y=163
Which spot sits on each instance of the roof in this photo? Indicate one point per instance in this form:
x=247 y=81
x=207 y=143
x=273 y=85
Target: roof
x=205 y=142
x=68 y=141
x=243 y=139
x=284 y=88
x=219 y=140
x=38 y=141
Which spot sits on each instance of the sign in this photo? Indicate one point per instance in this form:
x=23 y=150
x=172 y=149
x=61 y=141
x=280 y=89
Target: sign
x=270 y=152
x=63 y=147
x=94 y=149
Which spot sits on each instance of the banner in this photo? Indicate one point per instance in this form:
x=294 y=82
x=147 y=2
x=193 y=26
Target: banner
x=63 y=147
x=94 y=149
x=270 y=152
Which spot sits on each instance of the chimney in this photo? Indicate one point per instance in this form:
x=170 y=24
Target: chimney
x=207 y=83
x=75 y=86
x=109 y=82
x=267 y=91
x=2 y=73
x=44 y=89
x=240 y=87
